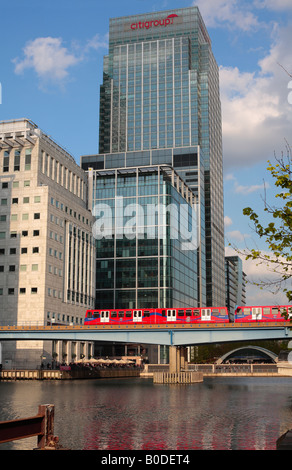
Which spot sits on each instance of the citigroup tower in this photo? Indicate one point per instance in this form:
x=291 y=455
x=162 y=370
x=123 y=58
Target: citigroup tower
x=160 y=141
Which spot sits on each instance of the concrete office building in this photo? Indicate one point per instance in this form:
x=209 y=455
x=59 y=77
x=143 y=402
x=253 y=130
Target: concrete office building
x=47 y=269
x=160 y=104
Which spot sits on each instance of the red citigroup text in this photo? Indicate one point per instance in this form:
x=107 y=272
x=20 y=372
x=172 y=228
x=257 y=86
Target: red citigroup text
x=149 y=24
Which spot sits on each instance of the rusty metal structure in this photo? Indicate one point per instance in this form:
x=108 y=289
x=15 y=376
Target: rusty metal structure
x=41 y=426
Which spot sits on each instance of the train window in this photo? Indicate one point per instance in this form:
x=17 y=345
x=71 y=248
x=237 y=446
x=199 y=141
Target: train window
x=180 y=313
x=275 y=310
x=256 y=313
x=246 y=311
x=188 y=313
x=114 y=314
x=206 y=314
x=89 y=314
x=121 y=313
x=146 y=313
x=196 y=312
x=266 y=310
x=96 y=315
x=128 y=314
x=222 y=311
x=215 y=310
x=283 y=311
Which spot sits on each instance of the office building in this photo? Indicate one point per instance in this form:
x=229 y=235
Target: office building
x=160 y=104
x=47 y=251
x=146 y=238
x=235 y=279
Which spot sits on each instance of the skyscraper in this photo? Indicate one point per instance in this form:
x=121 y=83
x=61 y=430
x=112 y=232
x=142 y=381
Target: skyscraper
x=161 y=91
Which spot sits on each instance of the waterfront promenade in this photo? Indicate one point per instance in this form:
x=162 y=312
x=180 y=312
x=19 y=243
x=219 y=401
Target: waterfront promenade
x=147 y=371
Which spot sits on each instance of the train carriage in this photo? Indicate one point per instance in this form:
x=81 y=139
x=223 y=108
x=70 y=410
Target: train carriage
x=263 y=313
x=157 y=316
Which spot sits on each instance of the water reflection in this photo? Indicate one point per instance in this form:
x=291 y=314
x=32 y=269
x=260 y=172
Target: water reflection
x=220 y=413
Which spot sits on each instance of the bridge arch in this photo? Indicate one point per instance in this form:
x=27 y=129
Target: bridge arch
x=248 y=354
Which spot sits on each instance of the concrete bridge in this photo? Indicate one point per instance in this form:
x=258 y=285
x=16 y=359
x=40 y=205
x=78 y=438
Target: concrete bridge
x=176 y=336
x=171 y=334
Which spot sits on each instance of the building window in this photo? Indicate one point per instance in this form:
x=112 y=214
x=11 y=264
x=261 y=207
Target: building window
x=15 y=184
x=35 y=249
x=37 y=199
x=25 y=200
x=6 y=162
x=2 y=235
x=12 y=268
x=15 y=200
x=13 y=234
x=23 y=267
x=4 y=202
x=24 y=216
x=2 y=218
x=22 y=290
x=10 y=291
x=26 y=183
x=13 y=217
x=34 y=290
x=34 y=267
x=4 y=185
x=23 y=251
x=17 y=160
x=27 y=159
x=36 y=233
x=12 y=251
x=24 y=233
x=37 y=215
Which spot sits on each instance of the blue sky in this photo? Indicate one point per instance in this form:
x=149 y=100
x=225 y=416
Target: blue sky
x=51 y=70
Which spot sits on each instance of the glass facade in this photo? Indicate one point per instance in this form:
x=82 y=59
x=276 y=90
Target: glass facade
x=235 y=280
x=140 y=233
x=161 y=90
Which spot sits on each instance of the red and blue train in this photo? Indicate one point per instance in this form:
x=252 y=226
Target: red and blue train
x=204 y=315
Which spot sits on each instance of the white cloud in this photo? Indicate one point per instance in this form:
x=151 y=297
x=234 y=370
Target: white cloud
x=231 y=13
x=279 y=5
x=227 y=221
x=256 y=114
x=49 y=59
x=97 y=42
x=255 y=273
x=245 y=189
x=249 y=189
x=237 y=235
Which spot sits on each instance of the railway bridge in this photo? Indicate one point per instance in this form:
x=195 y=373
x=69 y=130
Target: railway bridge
x=175 y=335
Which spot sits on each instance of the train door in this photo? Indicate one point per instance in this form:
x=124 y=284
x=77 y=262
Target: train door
x=137 y=315
x=104 y=316
x=171 y=315
x=206 y=314
x=256 y=313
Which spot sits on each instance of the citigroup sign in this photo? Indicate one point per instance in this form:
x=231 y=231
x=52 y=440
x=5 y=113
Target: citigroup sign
x=154 y=23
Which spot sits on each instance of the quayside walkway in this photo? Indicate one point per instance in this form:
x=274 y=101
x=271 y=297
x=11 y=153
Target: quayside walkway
x=209 y=370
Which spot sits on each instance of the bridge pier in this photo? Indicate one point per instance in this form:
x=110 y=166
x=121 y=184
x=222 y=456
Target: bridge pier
x=178 y=373
x=177 y=358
